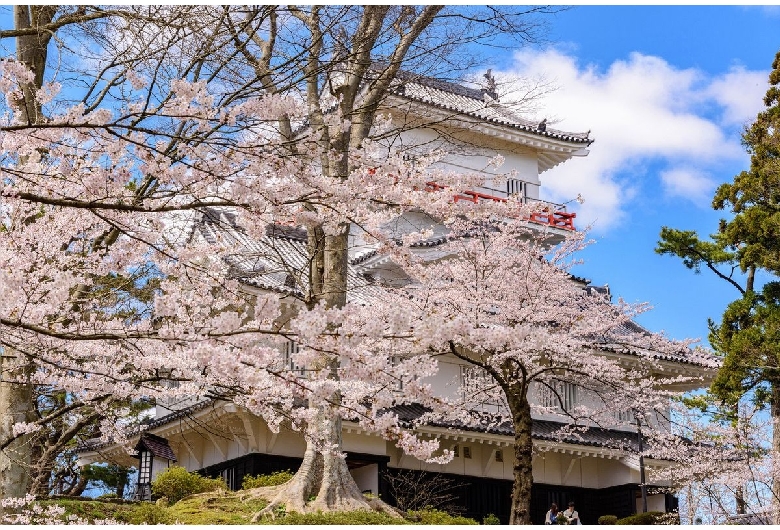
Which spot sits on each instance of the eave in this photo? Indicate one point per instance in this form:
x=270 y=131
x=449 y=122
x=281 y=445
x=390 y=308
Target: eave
x=550 y=151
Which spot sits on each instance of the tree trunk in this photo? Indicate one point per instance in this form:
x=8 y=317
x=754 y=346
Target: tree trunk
x=520 y=409
x=775 y=413
x=16 y=400
x=323 y=482
x=78 y=488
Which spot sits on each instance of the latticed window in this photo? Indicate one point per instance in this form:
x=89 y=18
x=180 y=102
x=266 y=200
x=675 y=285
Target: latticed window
x=145 y=467
x=557 y=395
x=625 y=416
x=291 y=349
x=515 y=187
x=479 y=388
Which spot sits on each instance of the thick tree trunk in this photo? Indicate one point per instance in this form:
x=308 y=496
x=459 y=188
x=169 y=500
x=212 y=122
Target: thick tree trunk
x=775 y=413
x=520 y=512
x=16 y=400
x=323 y=482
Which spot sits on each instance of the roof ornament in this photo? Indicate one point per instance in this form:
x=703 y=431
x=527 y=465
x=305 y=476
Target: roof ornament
x=491 y=85
x=542 y=126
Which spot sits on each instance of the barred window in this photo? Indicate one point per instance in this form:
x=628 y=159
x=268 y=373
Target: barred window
x=515 y=187
x=479 y=388
x=291 y=349
x=566 y=395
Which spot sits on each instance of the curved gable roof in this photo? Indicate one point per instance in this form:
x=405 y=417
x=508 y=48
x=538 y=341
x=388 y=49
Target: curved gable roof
x=475 y=103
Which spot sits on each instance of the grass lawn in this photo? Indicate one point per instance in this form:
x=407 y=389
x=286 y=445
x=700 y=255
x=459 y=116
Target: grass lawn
x=222 y=508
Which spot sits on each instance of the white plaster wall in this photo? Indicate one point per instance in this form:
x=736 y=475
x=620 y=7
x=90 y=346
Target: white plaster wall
x=159 y=465
x=579 y=471
x=614 y=472
x=446 y=382
x=589 y=472
x=482 y=462
x=548 y=467
x=197 y=448
x=367 y=478
x=474 y=158
x=655 y=503
x=189 y=451
x=286 y=443
x=362 y=443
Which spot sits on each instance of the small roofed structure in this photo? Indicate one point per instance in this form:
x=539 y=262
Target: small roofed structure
x=154 y=453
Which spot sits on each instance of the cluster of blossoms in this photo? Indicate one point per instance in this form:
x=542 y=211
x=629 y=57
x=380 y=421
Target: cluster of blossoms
x=28 y=511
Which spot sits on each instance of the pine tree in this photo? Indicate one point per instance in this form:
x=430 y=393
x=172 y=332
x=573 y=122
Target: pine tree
x=749 y=242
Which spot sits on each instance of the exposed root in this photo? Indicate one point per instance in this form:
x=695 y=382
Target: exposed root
x=283 y=500
x=322 y=484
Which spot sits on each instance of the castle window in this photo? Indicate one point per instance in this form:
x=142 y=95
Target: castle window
x=560 y=395
x=291 y=349
x=515 y=187
x=479 y=388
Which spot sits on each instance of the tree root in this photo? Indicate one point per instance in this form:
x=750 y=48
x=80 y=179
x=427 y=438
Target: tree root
x=284 y=499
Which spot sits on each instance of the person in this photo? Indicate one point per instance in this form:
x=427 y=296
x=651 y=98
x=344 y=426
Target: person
x=571 y=514
x=552 y=515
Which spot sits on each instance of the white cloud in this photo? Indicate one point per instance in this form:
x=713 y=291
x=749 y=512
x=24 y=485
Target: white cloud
x=641 y=111
x=740 y=93
x=691 y=184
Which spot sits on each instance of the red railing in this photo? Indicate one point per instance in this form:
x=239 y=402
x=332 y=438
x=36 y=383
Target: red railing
x=558 y=219
x=547 y=216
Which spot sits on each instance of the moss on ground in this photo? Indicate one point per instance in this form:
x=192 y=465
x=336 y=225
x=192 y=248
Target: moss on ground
x=227 y=508
x=218 y=508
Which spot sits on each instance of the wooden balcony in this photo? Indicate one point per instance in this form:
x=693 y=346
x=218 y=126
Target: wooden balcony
x=550 y=214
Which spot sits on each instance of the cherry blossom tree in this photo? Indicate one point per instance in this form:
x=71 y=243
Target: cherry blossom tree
x=721 y=460
x=140 y=142
x=249 y=132
x=504 y=302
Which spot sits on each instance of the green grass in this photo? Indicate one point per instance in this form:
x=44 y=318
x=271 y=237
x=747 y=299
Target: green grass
x=262 y=481
x=224 y=508
x=227 y=508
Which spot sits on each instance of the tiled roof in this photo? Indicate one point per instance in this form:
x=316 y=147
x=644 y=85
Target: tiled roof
x=275 y=261
x=685 y=355
x=157 y=445
x=541 y=430
x=95 y=444
x=475 y=103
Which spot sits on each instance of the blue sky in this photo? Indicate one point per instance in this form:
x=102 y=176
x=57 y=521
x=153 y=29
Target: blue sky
x=666 y=92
